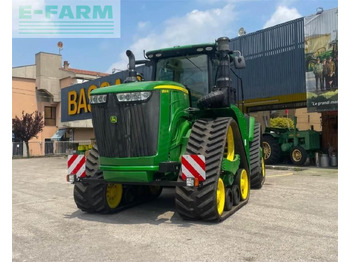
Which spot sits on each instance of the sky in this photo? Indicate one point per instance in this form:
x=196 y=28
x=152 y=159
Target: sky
x=153 y=24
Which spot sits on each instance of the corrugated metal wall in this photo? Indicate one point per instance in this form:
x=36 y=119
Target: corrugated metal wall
x=275 y=62
x=325 y=23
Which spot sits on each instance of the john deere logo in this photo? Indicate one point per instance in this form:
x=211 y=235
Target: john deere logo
x=113 y=119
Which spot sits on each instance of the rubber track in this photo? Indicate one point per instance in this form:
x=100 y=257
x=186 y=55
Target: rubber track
x=256 y=178
x=90 y=197
x=207 y=138
x=92 y=161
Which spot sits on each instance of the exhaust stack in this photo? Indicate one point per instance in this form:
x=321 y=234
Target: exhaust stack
x=223 y=93
x=132 y=68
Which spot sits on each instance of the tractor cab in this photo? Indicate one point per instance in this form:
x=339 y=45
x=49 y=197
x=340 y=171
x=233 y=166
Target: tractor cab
x=191 y=66
x=195 y=66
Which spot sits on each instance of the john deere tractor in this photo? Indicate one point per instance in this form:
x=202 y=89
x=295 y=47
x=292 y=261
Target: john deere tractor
x=180 y=130
x=298 y=145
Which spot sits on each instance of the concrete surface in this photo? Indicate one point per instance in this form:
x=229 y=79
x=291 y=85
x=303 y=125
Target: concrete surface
x=292 y=218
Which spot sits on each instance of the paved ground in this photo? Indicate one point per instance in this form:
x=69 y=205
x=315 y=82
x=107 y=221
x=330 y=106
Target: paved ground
x=292 y=218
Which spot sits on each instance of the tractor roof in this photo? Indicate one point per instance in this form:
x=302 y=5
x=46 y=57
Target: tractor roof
x=182 y=50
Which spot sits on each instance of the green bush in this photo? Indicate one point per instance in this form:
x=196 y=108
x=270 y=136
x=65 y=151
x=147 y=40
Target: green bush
x=282 y=122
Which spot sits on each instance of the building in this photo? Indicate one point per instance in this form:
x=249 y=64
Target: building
x=38 y=88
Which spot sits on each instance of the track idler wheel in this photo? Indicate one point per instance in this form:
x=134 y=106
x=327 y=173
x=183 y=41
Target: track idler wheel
x=228 y=199
x=236 y=195
x=114 y=193
x=242 y=181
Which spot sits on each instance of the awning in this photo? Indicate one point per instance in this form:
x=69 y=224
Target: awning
x=59 y=134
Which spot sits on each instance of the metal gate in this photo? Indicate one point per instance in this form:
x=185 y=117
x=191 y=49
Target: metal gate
x=17 y=148
x=48 y=146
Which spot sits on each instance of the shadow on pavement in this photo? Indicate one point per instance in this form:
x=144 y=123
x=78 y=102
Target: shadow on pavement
x=158 y=211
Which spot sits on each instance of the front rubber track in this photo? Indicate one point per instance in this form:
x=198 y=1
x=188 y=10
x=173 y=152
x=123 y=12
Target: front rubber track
x=208 y=137
x=90 y=197
x=92 y=163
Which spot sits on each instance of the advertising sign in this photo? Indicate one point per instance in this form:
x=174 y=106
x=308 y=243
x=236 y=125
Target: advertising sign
x=321 y=57
x=75 y=99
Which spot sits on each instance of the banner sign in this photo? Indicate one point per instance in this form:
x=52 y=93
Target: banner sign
x=321 y=57
x=75 y=103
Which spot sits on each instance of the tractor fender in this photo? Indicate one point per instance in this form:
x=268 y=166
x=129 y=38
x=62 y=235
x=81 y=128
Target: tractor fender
x=251 y=128
x=272 y=134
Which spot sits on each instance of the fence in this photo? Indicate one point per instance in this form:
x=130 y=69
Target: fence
x=49 y=148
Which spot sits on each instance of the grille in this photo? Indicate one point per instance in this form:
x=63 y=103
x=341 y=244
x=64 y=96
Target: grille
x=135 y=132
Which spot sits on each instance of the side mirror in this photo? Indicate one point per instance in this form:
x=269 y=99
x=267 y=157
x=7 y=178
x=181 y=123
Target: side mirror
x=239 y=62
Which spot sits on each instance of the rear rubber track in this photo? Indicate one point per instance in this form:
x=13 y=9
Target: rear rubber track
x=256 y=178
x=208 y=137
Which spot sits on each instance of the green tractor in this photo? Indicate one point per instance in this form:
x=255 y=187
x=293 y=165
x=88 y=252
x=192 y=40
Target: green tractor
x=180 y=130
x=298 y=145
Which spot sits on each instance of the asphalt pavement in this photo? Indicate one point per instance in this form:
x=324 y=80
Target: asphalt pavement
x=294 y=217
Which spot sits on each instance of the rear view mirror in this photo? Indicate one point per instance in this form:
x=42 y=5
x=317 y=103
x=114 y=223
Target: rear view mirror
x=239 y=62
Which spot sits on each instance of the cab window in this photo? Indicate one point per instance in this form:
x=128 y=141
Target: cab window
x=191 y=71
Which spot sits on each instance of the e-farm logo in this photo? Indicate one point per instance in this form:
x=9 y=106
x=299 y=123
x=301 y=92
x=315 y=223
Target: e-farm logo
x=66 y=19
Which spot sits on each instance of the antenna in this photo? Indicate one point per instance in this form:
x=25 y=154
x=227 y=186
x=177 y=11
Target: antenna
x=60 y=47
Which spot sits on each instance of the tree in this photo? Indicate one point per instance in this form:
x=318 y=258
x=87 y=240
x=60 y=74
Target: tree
x=27 y=127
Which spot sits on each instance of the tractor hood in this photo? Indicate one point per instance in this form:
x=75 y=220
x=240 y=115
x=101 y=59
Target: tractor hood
x=140 y=86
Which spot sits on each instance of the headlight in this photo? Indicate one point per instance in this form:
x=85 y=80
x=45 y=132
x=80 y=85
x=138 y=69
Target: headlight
x=98 y=99
x=133 y=96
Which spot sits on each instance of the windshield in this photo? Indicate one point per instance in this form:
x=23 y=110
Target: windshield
x=191 y=71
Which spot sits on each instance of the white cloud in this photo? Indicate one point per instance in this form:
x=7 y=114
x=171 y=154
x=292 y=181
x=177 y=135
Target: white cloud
x=192 y=28
x=281 y=15
x=143 y=25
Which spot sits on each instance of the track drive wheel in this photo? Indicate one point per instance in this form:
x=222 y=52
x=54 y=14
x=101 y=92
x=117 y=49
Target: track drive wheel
x=298 y=155
x=272 y=150
x=257 y=165
x=214 y=139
